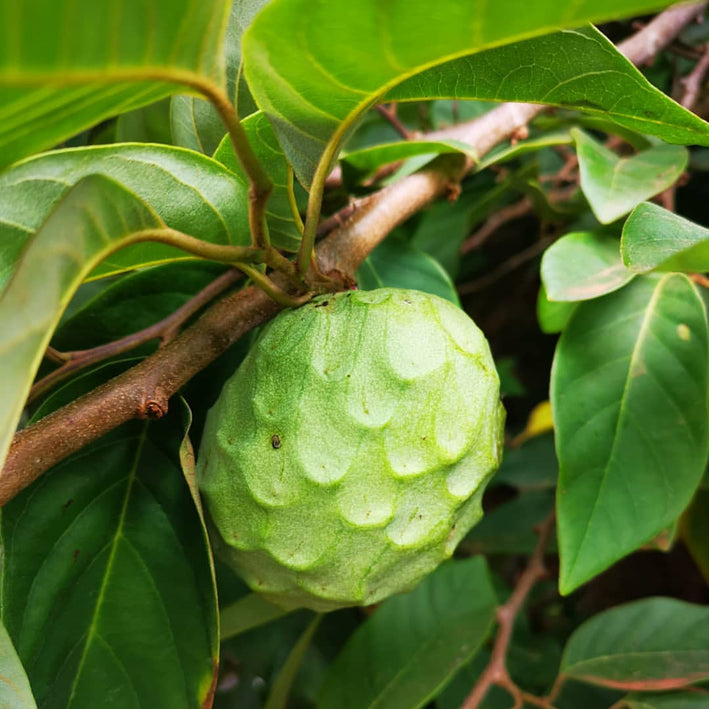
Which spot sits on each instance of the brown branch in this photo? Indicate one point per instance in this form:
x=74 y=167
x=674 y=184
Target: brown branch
x=496 y=671
x=644 y=45
x=693 y=81
x=166 y=330
x=389 y=113
x=144 y=390
x=495 y=221
x=506 y=267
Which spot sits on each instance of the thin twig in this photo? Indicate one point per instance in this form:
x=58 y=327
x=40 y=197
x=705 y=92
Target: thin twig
x=494 y=222
x=496 y=671
x=693 y=81
x=336 y=220
x=506 y=267
x=700 y=280
x=166 y=330
x=389 y=113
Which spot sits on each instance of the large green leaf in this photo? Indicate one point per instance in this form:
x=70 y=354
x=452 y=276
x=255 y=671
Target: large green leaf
x=654 y=238
x=583 y=265
x=106 y=589
x=613 y=186
x=629 y=394
x=656 y=643
x=94 y=218
x=406 y=652
x=283 y=228
x=66 y=66
x=578 y=69
x=15 y=692
x=397 y=264
x=195 y=122
x=191 y=193
x=314 y=93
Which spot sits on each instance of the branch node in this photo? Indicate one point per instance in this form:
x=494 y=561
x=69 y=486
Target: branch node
x=152 y=409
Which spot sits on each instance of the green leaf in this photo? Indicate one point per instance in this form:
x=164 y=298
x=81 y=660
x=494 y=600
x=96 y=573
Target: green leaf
x=628 y=391
x=515 y=150
x=315 y=102
x=94 y=218
x=135 y=301
x=67 y=66
x=191 y=193
x=248 y=612
x=396 y=264
x=532 y=466
x=593 y=76
x=15 y=692
x=552 y=315
x=650 y=645
x=107 y=589
x=284 y=230
x=583 y=265
x=360 y=164
x=667 y=700
x=278 y=698
x=509 y=528
x=613 y=186
x=149 y=124
x=413 y=644
x=656 y=239
x=195 y=122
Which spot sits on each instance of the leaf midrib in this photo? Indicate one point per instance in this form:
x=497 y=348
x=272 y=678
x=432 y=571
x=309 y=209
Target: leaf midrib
x=92 y=629
x=639 y=342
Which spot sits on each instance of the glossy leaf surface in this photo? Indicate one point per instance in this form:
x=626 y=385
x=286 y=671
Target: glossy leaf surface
x=93 y=219
x=56 y=80
x=614 y=185
x=195 y=122
x=316 y=100
x=396 y=264
x=628 y=390
x=653 y=644
x=583 y=265
x=654 y=238
x=404 y=654
x=191 y=193
x=104 y=554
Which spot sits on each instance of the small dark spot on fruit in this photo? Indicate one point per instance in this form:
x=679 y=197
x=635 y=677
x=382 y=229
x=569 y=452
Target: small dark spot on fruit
x=423 y=438
x=276 y=441
x=76 y=555
x=66 y=505
x=323 y=304
x=407 y=301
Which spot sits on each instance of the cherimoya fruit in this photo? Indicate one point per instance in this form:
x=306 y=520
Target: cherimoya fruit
x=347 y=456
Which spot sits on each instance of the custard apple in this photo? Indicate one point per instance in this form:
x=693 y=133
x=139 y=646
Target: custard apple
x=347 y=456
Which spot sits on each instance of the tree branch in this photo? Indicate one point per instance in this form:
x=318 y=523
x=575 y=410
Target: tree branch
x=144 y=390
x=496 y=671
x=166 y=330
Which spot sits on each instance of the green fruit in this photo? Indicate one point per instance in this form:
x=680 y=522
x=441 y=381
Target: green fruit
x=347 y=456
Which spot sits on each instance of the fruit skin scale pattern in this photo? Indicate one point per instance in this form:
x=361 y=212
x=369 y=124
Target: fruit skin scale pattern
x=347 y=456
